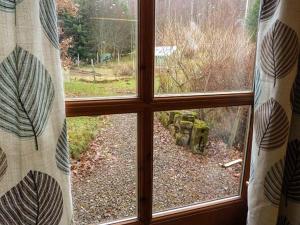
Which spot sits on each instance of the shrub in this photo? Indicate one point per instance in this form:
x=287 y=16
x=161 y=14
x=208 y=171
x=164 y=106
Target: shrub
x=123 y=70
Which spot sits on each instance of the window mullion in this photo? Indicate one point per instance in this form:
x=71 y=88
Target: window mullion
x=146 y=42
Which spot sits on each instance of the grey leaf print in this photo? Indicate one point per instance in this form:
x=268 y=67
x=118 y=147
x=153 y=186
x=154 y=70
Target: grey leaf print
x=62 y=151
x=271 y=125
x=273 y=183
x=279 y=51
x=9 y=5
x=36 y=200
x=26 y=95
x=3 y=163
x=268 y=9
x=257 y=87
x=48 y=19
x=291 y=183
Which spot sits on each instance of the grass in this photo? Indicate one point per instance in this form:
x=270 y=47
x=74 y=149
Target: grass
x=76 y=88
x=81 y=131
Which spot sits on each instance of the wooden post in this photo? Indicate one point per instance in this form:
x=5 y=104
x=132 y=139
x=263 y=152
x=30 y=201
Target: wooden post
x=235 y=127
x=94 y=73
x=78 y=60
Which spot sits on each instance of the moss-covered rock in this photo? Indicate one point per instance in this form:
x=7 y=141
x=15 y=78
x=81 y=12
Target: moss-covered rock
x=177 y=120
x=164 y=119
x=182 y=139
x=189 y=117
x=172 y=130
x=199 y=137
x=186 y=125
x=172 y=116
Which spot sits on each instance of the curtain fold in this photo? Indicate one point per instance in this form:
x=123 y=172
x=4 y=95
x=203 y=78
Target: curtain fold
x=34 y=161
x=274 y=185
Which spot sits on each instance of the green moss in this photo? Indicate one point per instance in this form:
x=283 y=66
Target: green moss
x=164 y=118
x=201 y=124
x=172 y=116
x=186 y=125
x=177 y=118
x=189 y=116
x=199 y=137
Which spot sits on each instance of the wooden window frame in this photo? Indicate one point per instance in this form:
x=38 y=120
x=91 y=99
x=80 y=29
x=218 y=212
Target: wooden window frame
x=230 y=211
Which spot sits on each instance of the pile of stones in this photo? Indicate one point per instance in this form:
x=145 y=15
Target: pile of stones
x=187 y=129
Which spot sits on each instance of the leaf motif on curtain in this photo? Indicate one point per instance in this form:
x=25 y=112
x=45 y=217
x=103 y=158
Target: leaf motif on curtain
x=37 y=200
x=26 y=95
x=273 y=183
x=62 y=151
x=291 y=187
x=268 y=9
x=3 y=163
x=9 y=5
x=283 y=220
x=272 y=126
x=48 y=20
x=295 y=92
x=279 y=51
x=257 y=87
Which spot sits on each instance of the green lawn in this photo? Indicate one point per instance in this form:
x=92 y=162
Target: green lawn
x=101 y=89
x=81 y=131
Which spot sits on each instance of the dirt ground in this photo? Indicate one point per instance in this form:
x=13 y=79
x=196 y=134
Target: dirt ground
x=104 y=180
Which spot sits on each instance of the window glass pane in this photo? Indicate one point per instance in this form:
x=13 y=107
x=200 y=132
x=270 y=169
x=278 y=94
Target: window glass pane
x=104 y=172
x=98 y=41
x=205 y=46
x=193 y=153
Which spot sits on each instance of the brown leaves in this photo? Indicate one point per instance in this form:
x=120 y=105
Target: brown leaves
x=67 y=6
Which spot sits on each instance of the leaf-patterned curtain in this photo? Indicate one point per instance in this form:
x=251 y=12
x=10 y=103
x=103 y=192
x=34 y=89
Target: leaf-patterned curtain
x=34 y=163
x=274 y=185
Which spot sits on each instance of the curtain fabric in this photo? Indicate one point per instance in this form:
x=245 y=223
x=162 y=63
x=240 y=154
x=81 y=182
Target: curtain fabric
x=34 y=163
x=274 y=185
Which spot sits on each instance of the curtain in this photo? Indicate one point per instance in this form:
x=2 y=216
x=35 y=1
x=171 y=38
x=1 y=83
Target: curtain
x=34 y=163
x=274 y=185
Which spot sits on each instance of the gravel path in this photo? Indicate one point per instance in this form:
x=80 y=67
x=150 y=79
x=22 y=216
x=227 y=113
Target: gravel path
x=104 y=182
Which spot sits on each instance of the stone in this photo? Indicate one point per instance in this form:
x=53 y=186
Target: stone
x=188 y=117
x=182 y=139
x=172 y=130
x=177 y=120
x=186 y=125
x=172 y=116
x=199 y=137
x=164 y=119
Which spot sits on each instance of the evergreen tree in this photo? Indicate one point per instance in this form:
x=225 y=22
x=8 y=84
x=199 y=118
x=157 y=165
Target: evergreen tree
x=93 y=32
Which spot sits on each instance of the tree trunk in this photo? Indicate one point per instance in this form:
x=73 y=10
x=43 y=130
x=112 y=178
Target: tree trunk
x=235 y=127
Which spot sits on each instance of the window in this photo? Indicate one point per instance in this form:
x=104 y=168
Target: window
x=159 y=105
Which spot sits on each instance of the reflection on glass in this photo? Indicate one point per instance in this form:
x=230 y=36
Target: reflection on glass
x=193 y=153
x=104 y=173
x=205 y=46
x=98 y=41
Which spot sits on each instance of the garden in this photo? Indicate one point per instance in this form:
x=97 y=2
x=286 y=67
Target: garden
x=198 y=153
